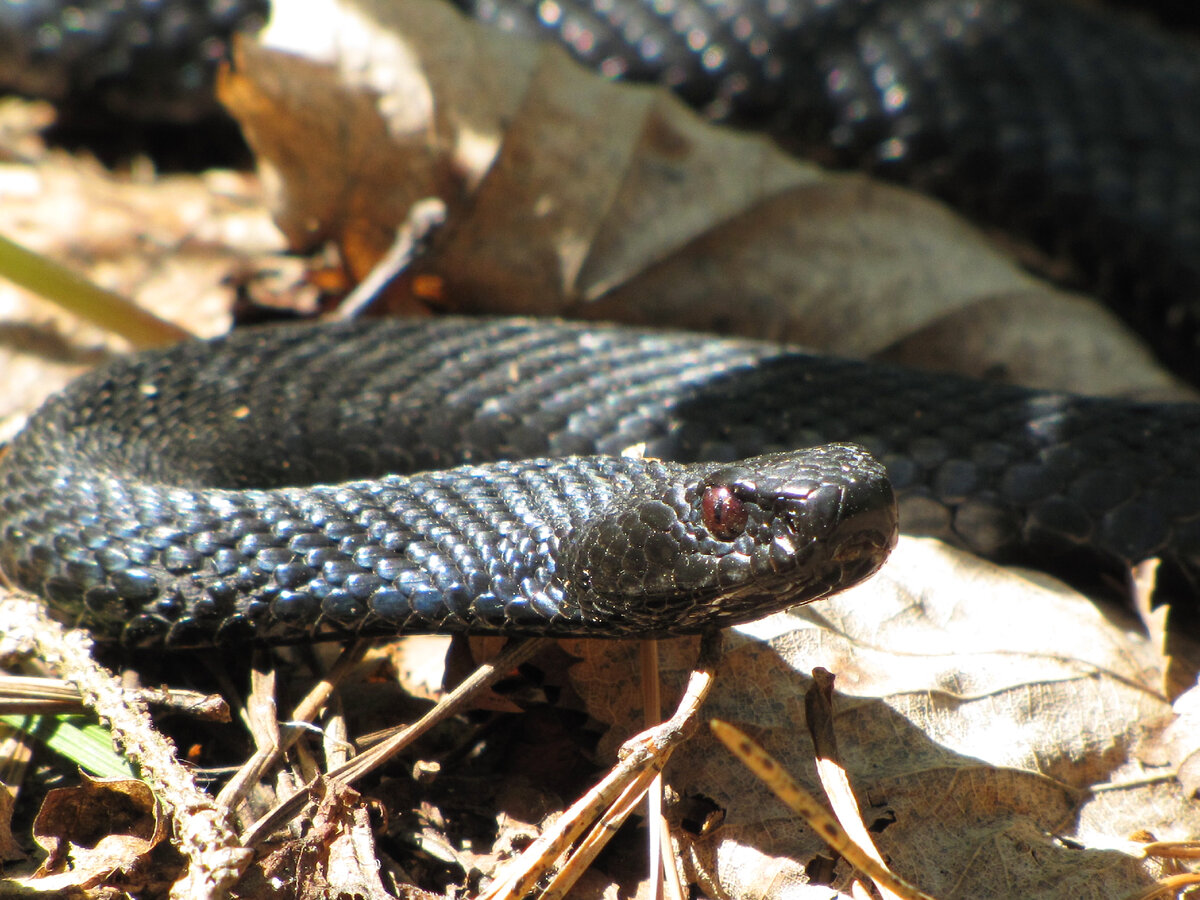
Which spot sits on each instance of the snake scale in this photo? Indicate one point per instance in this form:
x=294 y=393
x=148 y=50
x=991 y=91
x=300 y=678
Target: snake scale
x=151 y=500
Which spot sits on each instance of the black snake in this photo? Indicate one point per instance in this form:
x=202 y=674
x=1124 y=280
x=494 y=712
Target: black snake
x=149 y=501
x=138 y=500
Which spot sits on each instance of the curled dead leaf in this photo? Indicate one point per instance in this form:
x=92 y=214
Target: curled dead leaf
x=92 y=832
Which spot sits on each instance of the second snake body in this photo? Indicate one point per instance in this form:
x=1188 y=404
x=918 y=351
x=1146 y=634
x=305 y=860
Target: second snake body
x=1069 y=126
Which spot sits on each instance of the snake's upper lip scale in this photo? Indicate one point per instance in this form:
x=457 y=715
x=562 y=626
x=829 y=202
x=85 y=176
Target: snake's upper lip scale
x=866 y=535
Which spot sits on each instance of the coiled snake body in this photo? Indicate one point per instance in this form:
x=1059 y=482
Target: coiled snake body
x=147 y=501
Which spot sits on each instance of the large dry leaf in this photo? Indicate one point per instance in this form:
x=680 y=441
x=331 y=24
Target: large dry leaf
x=1004 y=730
x=567 y=194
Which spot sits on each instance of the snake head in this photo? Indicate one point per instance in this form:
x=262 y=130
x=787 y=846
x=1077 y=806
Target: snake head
x=721 y=544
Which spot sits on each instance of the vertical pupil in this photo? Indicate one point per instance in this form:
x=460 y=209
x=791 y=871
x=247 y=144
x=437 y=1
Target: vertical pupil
x=724 y=514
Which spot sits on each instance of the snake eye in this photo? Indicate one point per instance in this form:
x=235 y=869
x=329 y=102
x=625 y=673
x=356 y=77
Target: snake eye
x=723 y=513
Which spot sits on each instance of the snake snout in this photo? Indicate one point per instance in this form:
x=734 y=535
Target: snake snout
x=868 y=526
x=860 y=514
x=848 y=507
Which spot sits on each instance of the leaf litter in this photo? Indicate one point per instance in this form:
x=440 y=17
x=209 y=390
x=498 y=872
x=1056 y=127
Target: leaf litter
x=993 y=717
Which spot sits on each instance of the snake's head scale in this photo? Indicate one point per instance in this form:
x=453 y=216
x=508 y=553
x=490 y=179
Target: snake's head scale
x=730 y=543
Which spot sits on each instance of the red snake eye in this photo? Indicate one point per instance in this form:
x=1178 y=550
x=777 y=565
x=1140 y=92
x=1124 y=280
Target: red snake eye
x=723 y=513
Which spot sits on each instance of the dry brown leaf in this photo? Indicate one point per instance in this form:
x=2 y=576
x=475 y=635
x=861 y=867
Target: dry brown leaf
x=10 y=849
x=990 y=717
x=335 y=858
x=102 y=828
x=1178 y=742
x=169 y=243
x=570 y=195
